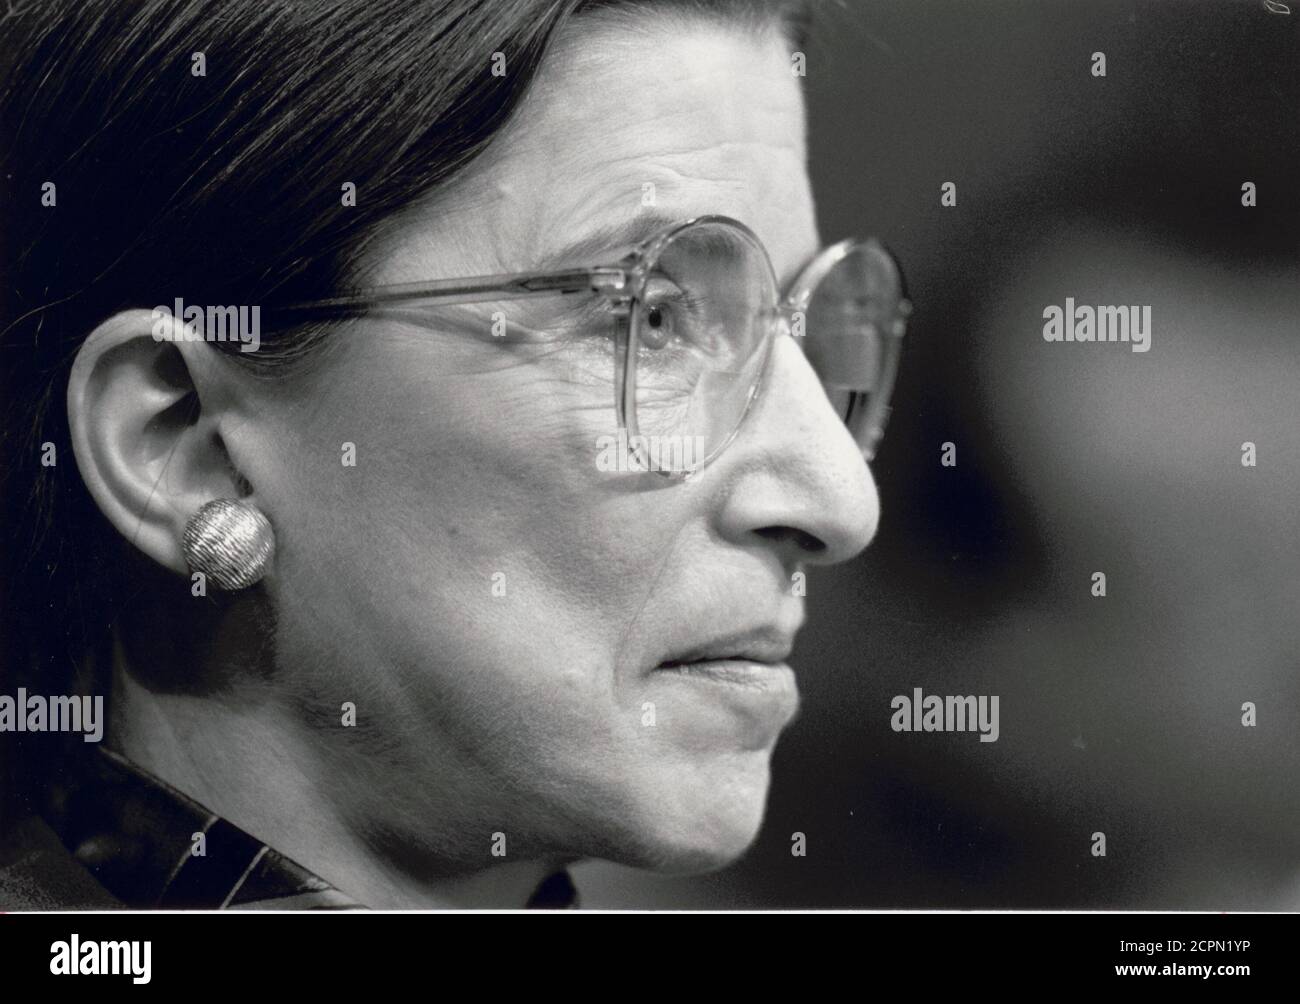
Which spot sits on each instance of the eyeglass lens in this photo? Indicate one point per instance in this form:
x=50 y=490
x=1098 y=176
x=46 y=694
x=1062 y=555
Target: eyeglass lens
x=700 y=337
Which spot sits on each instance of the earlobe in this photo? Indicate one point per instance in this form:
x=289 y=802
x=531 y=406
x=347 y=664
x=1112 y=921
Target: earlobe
x=143 y=435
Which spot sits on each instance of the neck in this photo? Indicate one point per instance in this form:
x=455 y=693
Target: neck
x=263 y=772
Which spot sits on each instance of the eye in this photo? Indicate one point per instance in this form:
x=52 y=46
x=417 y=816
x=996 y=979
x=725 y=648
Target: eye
x=668 y=312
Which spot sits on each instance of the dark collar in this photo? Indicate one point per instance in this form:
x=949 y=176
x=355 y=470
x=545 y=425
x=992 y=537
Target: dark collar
x=154 y=848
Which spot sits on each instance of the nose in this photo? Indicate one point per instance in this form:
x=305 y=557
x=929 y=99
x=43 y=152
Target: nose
x=795 y=478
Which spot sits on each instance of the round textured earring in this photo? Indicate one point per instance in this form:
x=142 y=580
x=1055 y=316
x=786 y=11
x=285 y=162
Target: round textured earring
x=230 y=542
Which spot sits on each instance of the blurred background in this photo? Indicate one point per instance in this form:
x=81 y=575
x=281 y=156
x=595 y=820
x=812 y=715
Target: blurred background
x=1119 y=714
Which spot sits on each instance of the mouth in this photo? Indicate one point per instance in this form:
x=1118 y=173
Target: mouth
x=755 y=660
x=730 y=688
x=735 y=671
x=742 y=673
x=763 y=645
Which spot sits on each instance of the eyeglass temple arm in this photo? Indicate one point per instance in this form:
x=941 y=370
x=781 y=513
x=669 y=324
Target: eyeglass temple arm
x=477 y=289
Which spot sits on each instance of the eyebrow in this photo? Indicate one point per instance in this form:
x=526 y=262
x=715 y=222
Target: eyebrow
x=606 y=242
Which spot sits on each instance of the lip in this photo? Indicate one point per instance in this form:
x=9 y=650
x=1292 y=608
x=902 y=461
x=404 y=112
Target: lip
x=764 y=645
x=761 y=698
x=736 y=679
x=763 y=677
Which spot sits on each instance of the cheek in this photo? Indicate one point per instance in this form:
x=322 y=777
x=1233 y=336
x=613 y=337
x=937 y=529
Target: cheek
x=474 y=557
x=488 y=597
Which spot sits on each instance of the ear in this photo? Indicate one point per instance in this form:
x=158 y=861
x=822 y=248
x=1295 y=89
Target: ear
x=144 y=407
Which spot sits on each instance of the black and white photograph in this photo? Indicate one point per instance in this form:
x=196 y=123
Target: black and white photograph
x=650 y=456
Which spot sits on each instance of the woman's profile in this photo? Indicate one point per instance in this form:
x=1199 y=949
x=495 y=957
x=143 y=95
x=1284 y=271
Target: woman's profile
x=420 y=419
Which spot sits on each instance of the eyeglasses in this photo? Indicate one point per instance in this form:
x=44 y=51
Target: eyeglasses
x=692 y=314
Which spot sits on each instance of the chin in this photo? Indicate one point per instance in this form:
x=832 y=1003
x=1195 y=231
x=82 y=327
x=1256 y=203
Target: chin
x=708 y=824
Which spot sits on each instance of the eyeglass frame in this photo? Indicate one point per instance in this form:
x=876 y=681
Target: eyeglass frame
x=623 y=284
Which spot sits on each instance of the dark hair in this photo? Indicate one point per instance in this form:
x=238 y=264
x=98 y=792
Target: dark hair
x=221 y=188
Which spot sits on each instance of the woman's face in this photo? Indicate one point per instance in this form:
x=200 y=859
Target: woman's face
x=495 y=604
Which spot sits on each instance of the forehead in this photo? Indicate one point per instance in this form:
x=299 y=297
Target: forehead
x=627 y=120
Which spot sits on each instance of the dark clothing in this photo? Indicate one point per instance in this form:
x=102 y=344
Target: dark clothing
x=117 y=837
